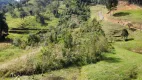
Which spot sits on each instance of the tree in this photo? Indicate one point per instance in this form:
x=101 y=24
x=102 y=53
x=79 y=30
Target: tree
x=31 y=12
x=111 y=5
x=125 y=34
x=139 y=2
x=68 y=41
x=23 y=14
x=3 y=27
x=40 y=18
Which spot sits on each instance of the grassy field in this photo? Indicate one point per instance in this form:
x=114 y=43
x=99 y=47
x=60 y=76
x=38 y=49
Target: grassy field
x=67 y=74
x=9 y=51
x=129 y=15
x=29 y=22
x=125 y=64
x=96 y=9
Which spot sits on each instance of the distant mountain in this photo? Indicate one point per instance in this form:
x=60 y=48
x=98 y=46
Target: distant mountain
x=3 y=2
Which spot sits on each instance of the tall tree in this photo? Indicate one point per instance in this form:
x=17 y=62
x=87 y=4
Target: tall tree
x=111 y=5
x=3 y=27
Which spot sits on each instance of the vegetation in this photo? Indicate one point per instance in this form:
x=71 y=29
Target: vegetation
x=76 y=40
x=125 y=34
x=133 y=15
x=111 y=5
x=49 y=39
x=3 y=27
x=139 y=2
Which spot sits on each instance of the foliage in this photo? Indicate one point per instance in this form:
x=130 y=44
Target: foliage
x=20 y=43
x=111 y=4
x=125 y=34
x=3 y=27
x=73 y=48
x=33 y=39
x=76 y=40
x=139 y=2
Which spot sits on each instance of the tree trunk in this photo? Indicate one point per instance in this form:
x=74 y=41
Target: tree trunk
x=0 y=34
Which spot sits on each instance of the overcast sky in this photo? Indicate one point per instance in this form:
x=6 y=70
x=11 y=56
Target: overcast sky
x=17 y=0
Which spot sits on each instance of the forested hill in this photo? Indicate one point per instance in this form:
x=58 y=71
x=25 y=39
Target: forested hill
x=6 y=1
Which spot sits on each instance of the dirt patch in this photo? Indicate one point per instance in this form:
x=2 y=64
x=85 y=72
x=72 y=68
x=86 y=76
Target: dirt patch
x=122 y=6
x=4 y=45
x=137 y=50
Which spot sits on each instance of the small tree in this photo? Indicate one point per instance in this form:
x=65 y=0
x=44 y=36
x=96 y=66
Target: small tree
x=68 y=41
x=111 y=5
x=125 y=34
x=40 y=18
x=23 y=14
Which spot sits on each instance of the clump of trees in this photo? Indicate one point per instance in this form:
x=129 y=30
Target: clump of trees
x=65 y=46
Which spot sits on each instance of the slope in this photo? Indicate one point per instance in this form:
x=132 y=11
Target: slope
x=120 y=66
x=125 y=64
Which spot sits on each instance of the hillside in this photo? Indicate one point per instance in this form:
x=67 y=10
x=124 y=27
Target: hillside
x=72 y=40
x=4 y=2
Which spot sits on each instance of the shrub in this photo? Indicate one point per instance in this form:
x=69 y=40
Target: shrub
x=16 y=42
x=19 y=42
x=68 y=41
x=125 y=34
x=33 y=39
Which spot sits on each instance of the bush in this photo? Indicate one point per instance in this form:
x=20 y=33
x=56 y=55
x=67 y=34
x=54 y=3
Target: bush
x=74 y=48
x=68 y=41
x=33 y=39
x=19 y=42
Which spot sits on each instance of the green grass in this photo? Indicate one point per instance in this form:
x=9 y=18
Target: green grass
x=29 y=22
x=67 y=74
x=122 y=64
x=131 y=15
x=108 y=27
x=11 y=52
x=133 y=45
x=116 y=66
x=95 y=11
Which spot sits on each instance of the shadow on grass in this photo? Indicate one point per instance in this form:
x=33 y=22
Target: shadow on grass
x=111 y=59
x=130 y=39
x=122 y=40
x=119 y=14
x=6 y=40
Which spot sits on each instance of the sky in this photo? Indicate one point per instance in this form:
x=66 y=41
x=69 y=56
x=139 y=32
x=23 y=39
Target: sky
x=17 y=0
